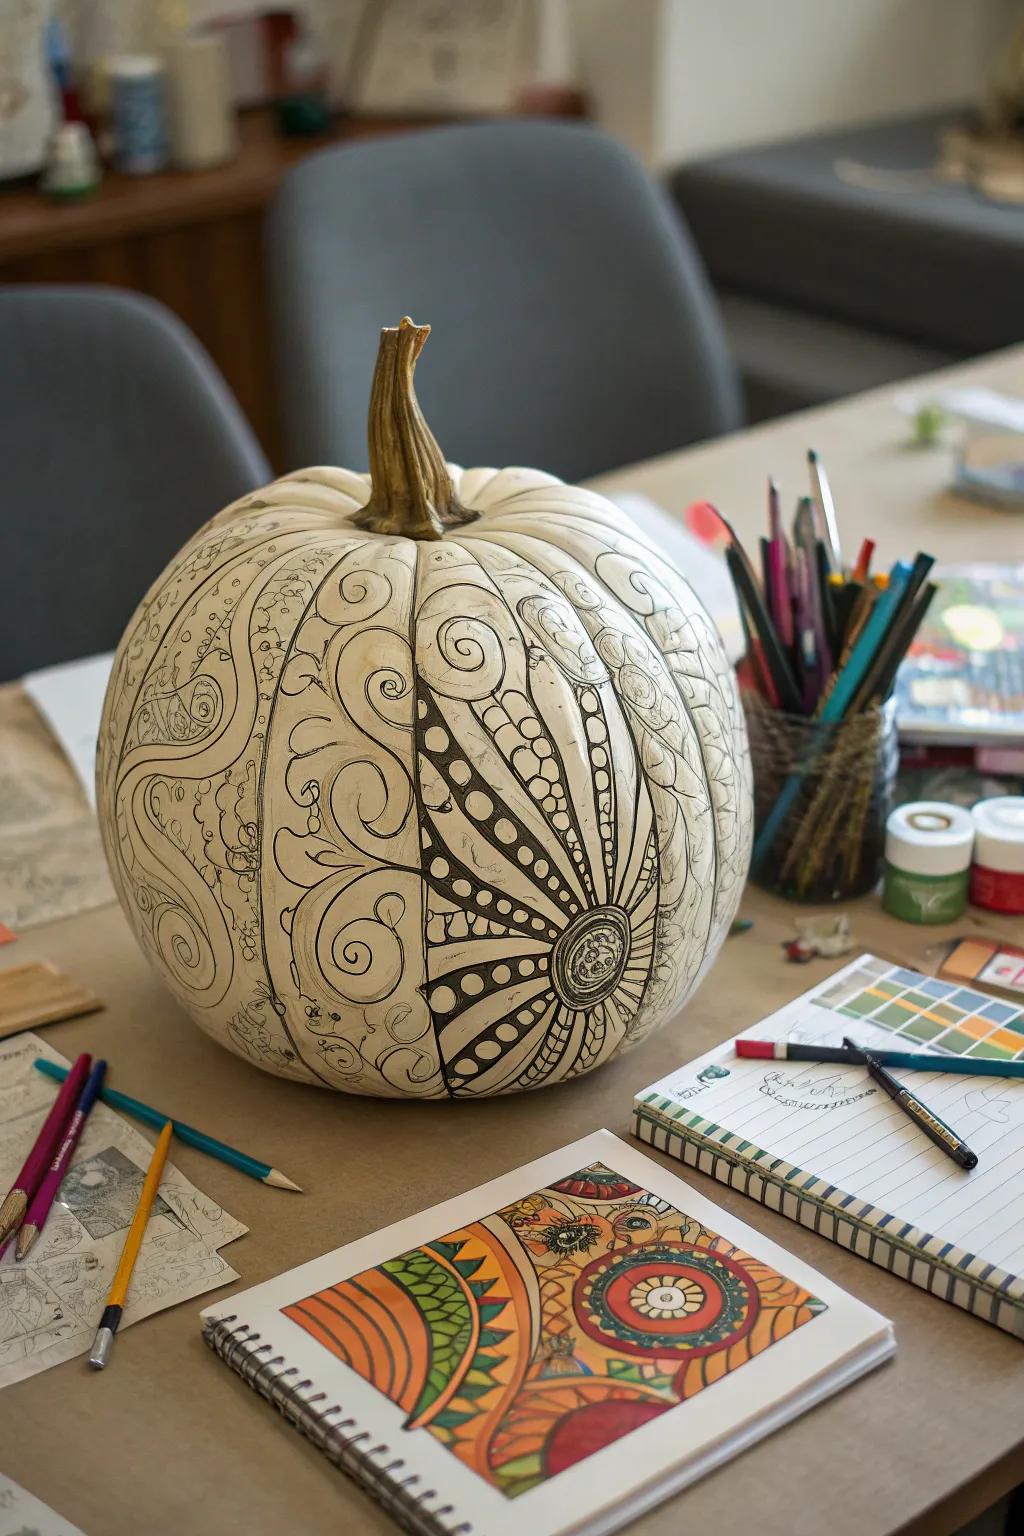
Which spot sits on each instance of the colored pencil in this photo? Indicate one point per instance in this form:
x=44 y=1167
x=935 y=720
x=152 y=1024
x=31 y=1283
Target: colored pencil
x=937 y=1131
x=103 y=1343
x=826 y=507
x=827 y=603
x=902 y=640
x=877 y=685
x=750 y=599
x=862 y=570
x=846 y=683
x=915 y=1061
x=42 y=1200
x=15 y=1205
x=774 y=511
x=185 y=1133
x=867 y=644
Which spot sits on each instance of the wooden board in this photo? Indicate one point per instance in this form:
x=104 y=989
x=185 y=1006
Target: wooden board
x=36 y=994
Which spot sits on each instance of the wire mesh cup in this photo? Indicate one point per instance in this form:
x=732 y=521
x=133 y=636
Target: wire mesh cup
x=824 y=793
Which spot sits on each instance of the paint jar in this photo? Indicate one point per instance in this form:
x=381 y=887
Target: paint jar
x=839 y=780
x=997 y=876
x=203 y=123
x=927 y=861
x=139 y=102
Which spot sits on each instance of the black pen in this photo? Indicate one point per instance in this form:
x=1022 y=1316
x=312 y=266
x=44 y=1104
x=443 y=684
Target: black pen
x=935 y=1129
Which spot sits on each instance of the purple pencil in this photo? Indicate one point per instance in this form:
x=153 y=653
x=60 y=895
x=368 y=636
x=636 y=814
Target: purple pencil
x=42 y=1200
x=12 y=1212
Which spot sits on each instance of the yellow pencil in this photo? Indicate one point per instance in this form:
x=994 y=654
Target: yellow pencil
x=104 y=1340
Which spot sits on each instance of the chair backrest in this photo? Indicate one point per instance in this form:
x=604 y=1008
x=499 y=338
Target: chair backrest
x=574 y=329
x=118 y=439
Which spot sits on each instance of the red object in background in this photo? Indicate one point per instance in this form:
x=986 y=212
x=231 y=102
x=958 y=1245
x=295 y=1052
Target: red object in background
x=705 y=523
x=279 y=28
x=6 y=936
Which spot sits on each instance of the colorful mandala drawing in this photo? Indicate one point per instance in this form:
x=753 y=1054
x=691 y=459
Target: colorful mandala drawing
x=529 y=1340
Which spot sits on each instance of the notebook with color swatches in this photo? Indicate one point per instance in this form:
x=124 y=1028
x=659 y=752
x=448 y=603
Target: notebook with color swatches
x=553 y=1352
x=820 y=1143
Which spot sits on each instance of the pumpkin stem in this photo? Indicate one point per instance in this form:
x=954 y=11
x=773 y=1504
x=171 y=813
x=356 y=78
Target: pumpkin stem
x=411 y=491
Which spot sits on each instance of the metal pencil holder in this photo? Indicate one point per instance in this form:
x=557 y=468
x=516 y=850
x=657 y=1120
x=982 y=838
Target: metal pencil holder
x=830 y=844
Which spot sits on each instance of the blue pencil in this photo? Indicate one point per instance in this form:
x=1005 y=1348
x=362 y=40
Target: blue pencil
x=186 y=1133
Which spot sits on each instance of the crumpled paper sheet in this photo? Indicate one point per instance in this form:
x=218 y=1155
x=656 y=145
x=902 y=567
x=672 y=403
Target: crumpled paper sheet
x=51 y=859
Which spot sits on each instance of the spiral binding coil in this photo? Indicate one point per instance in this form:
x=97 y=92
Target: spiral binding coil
x=340 y=1439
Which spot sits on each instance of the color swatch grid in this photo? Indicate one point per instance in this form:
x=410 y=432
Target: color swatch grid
x=925 y=1011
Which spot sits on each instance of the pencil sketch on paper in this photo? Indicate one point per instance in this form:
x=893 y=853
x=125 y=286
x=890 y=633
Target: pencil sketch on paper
x=528 y=1340
x=102 y=1191
x=50 y=1302
x=51 y=857
x=32 y=1316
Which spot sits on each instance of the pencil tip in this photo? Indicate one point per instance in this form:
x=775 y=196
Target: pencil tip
x=12 y=1212
x=277 y=1179
x=26 y=1237
x=812 y=455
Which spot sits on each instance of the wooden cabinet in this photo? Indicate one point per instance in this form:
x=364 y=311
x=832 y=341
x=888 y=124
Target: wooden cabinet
x=190 y=239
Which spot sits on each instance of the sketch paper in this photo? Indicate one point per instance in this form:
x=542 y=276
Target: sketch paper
x=50 y=1303
x=585 y=1331
x=22 y=1514
x=833 y=1122
x=70 y=699
x=51 y=859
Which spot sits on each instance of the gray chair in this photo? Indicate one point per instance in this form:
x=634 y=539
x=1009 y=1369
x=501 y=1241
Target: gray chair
x=574 y=329
x=118 y=439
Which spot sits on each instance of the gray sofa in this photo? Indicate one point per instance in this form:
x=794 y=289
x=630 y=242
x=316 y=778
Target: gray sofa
x=829 y=285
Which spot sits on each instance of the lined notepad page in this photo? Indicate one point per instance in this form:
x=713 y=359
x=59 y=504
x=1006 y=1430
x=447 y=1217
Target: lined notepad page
x=833 y=1122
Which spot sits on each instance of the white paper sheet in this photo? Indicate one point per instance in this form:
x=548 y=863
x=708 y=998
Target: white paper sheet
x=50 y=1303
x=22 y=1514
x=70 y=698
x=833 y=1122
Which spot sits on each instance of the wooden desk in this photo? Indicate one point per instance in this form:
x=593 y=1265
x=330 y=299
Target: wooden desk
x=169 y=1441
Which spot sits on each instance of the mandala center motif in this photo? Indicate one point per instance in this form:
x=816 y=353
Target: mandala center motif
x=665 y=1297
x=590 y=956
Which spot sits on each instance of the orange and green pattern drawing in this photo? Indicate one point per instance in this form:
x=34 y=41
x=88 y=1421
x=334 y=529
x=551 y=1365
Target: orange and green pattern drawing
x=533 y=1338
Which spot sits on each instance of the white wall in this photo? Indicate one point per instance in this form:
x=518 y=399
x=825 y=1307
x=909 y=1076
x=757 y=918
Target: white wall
x=719 y=73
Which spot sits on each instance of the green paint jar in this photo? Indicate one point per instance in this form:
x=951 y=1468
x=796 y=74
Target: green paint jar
x=928 y=848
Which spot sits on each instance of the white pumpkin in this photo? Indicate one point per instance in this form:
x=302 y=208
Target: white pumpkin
x=435 y=788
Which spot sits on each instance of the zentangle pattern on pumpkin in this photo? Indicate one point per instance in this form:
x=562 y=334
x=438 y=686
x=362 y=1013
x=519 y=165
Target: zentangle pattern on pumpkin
x=453 y=817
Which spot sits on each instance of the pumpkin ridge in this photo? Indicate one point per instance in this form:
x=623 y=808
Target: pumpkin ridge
x=290 y=650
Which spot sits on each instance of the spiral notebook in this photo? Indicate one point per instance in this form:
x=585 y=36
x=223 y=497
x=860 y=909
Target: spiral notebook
x=824 y=1146
x=553 y=1352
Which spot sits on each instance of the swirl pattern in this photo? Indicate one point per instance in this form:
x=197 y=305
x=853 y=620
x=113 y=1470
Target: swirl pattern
x=454 y=818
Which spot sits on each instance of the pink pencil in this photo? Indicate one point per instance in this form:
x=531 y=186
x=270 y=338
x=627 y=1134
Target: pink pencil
x=39 y=1205
x=12 y=1212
